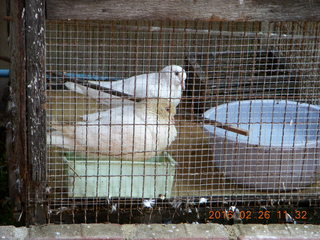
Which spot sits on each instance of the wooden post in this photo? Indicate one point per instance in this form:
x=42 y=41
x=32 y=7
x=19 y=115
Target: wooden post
x=26 y=142
x=36 y=117
x=16 y=143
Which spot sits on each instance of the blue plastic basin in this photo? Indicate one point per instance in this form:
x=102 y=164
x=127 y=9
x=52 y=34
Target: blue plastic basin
x=281 y=151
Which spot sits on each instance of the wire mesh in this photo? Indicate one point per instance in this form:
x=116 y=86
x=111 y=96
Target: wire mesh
x=129 y=153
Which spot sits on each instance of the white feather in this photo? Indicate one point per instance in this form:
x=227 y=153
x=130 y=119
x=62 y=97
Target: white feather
x=168 y=83
x=137 y=131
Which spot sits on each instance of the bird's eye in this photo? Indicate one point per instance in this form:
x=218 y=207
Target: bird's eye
x=176 y=73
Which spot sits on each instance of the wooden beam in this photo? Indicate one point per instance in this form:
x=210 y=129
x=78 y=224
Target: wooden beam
x=209 y=10
x=36 y=114
x=16 y=146
x=16 y=140
x=26 y=134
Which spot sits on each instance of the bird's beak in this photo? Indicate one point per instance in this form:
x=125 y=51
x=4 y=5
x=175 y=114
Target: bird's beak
x=183 y=85
x=184 y=77
x=172 y=121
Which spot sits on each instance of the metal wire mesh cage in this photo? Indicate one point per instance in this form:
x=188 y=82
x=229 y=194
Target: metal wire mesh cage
x=169 y=114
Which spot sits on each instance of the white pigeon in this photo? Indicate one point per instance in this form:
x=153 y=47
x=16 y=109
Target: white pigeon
x=168 y=83
x=136 y=131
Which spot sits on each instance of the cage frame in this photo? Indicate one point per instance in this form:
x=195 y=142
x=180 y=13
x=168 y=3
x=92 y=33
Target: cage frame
x=26 y=129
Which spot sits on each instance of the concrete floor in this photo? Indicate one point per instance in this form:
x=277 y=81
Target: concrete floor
x=161 y=231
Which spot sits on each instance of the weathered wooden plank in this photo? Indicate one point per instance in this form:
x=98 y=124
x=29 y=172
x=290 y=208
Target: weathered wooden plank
x=36 y=117
x=210 y=10
x=26 y=149
x=16 y=143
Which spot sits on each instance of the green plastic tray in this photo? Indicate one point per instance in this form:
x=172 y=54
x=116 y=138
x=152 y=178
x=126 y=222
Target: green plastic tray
x=108 y=177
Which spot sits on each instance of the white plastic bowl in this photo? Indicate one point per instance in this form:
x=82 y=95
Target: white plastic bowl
x=281 y=151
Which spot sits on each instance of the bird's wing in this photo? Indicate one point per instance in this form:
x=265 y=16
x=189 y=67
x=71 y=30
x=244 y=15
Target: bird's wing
x=58 y=139
x=90 y=92
x=130 y=85
x=144 y=85
x=114 y=114
x=106 y=99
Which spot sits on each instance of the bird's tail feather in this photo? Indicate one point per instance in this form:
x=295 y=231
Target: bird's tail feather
x=78 y=88
x=93 y=93
x=58 y=139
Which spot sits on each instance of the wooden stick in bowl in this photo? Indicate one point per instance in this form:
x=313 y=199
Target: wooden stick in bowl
x=223 y=126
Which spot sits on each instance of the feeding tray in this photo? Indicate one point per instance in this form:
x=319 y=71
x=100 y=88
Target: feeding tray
x=111 y=177
x=281 y=151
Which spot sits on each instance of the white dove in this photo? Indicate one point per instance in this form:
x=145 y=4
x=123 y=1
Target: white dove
x=168 y=83
x=136 y=131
